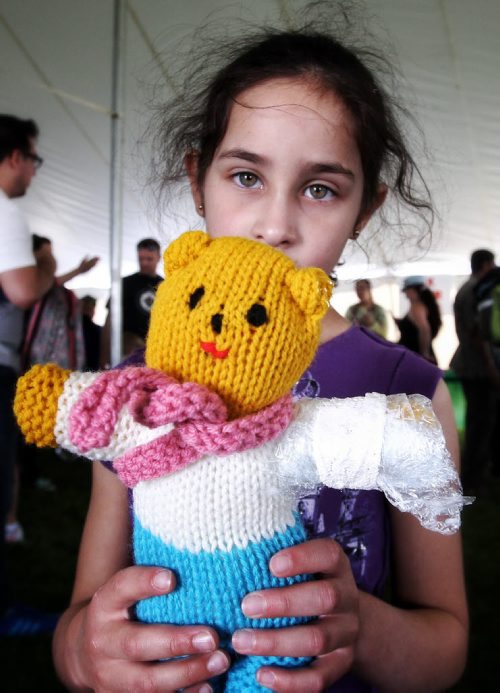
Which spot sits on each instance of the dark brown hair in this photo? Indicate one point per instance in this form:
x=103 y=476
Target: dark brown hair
x=196 y=118
x=428 y=298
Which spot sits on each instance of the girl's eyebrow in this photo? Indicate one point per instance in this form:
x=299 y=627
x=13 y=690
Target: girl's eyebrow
x=314 y=168
x=331 y=168
x=243 y=154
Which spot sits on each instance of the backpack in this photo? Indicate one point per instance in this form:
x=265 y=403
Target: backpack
x=54 y=331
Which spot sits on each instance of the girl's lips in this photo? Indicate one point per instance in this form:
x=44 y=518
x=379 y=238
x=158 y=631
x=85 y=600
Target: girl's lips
x=211 y=349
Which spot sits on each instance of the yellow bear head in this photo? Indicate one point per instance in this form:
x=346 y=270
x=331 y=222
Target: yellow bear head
x=236 y=316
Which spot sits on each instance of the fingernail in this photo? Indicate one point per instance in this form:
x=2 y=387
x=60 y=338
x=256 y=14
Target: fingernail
x=217 y=663
x=253 y=605
x=162 y=580
x=266 y=678
x=281 y=564
x=205 y=689
x=244 y=641
x=203 y=642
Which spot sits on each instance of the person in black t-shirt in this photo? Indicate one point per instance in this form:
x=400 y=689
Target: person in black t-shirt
x=138 y=292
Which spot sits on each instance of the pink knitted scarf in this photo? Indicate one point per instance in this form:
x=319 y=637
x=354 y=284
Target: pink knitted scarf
x=155 y=399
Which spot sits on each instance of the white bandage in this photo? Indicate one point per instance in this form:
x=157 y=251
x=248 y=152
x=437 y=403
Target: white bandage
x=347 y=437
x=340 y=438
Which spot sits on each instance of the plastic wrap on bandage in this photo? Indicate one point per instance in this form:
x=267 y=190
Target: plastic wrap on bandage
x=393 y=444
x=417 y=473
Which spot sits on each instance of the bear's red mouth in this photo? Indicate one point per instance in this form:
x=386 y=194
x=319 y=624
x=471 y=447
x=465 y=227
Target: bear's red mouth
x=211 y=349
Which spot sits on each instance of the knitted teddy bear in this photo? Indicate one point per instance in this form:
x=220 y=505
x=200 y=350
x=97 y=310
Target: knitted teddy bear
x=214 y=448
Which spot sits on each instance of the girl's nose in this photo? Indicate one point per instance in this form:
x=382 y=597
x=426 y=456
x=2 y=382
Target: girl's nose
x=275 y=225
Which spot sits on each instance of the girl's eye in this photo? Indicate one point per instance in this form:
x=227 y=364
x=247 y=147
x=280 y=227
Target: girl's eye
x=317 y=191
x=245 y=179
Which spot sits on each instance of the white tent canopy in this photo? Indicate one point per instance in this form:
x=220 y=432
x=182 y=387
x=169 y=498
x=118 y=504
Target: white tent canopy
x=56 y=66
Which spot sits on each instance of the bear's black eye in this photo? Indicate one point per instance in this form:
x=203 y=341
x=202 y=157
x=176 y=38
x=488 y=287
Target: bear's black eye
x=257 y=315
x=196 y=297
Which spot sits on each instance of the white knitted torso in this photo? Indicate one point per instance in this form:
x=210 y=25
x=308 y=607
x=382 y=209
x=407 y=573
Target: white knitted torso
x=216 y=503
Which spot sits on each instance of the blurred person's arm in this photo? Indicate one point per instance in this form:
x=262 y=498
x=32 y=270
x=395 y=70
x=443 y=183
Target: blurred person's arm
x=85 y=265
x=24 y=286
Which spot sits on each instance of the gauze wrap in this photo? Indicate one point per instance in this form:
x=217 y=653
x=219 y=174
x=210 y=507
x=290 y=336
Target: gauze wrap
x=393 y=444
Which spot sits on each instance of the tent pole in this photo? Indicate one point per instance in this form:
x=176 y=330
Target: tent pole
x=116 y=188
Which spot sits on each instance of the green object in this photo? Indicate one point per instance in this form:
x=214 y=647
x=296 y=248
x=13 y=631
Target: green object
x=495 y=314
x=457 y=399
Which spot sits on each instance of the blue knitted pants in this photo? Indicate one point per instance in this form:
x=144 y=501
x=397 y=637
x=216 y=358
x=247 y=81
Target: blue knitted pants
x=210 y=588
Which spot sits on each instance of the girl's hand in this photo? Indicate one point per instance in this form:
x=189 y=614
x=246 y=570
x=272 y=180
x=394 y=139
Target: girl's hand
x=117 y=654
x=331 y=638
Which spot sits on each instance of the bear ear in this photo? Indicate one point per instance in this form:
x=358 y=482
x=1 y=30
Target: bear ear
x=312 y=289
x=184 y=250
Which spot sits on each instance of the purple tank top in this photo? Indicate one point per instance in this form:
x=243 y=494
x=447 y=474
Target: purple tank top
x=352 y=364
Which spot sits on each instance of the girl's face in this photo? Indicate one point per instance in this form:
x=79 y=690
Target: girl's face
x=287 y=173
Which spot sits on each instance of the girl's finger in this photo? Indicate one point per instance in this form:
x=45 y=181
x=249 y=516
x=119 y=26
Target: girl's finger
x=130 y=585
x=313 y=598
x=165 y=676
x=141 y=642
x=323 y=672
x=186 y=672
x=323 y=556
x=317 y=638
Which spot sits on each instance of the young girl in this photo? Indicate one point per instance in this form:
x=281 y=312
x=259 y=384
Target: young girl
x=294 y=144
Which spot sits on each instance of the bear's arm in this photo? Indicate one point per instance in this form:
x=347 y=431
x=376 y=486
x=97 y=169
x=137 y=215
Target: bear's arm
x=393 y=444
x=36 y=401
x=125 y=435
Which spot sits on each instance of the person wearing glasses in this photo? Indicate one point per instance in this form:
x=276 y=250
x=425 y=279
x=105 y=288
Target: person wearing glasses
x=23 y=280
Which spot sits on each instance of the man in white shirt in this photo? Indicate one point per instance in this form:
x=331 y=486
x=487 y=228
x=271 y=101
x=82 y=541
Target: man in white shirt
x=22 y=282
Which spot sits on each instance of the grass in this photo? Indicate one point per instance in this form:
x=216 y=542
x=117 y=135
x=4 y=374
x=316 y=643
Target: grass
x=43 y=568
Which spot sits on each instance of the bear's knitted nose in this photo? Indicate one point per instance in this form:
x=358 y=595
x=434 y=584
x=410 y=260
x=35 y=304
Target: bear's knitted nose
x=216 y=322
